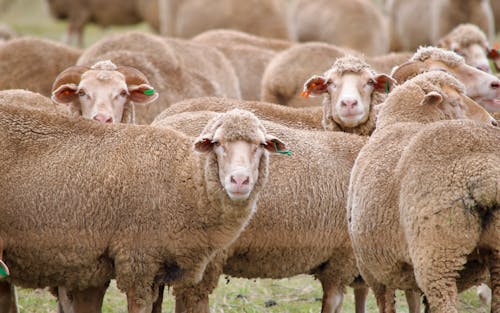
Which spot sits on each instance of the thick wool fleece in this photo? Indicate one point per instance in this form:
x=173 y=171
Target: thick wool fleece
x=84 y=202
x=28 y=99
x=33 y=63
x=178 y=69
x=227 y=37
x=406 y=222
x=300 y=226
x=465 y=35
x=437 y=54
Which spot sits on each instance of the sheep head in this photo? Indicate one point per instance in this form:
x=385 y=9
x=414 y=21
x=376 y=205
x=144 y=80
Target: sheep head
x=239 y=144
x=482 y=87
x=431 y=97
x=348 y=88
x=103 y=92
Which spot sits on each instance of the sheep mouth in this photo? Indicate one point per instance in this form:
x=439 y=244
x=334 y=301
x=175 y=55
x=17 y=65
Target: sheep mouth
x=238 y=195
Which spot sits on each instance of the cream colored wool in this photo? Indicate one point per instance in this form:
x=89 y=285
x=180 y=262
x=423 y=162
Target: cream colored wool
x=225 y=37
x=77 y=215
x=448 y=57
x=33 y=63
x=414 y=216
x=179 y=69
x=463 y=36
x=300 y=224
x=28 y=99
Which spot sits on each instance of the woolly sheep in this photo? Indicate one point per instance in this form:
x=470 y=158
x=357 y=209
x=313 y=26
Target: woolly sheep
x=348 y=107
x=33 y=64
x=249 y=63
x=104 y=13
x=103 y=92
x=470 y=42
x=192 y=228
x=187 y=18
x=402 y=170
x=311 y=237
x=284 y=76
x=482 y=87
x=178 y=69
x=224 y=37
x=356 y=24
x=415 y=23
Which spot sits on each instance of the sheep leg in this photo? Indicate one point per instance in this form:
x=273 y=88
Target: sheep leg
x=159 y=301
x=360 y=294
x=333 y=294
x=135 y=307
x=7 y=298
x=495 y=282
x=88 y=300
x=413 y=300
x=386 y=302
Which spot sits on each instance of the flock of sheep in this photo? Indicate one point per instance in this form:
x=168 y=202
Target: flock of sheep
x=351 y=141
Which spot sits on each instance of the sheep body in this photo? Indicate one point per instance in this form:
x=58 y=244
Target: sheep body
x=33 y=64
x=383 y=199
x=71 y=214
x=356 y=24
x=411 y=24
x=187 y=18
x=178 y=69
x=221 y=37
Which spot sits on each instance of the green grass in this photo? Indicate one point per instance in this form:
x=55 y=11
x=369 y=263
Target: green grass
x=301 y=294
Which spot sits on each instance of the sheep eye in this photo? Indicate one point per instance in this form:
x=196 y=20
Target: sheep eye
x=216 y=143
x=81 y=93
x=371 y=83
x=330 y=83
x=458 y=52
x=123 y=93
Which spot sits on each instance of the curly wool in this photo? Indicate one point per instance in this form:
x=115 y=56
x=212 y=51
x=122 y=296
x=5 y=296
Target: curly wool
x=237 y=125
x=350 y=64
x=448 y=57
x=465 y=35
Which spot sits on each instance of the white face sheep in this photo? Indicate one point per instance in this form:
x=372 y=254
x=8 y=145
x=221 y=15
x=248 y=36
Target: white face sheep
x=375 y=198
x=103 y=92
x=471 y=43
x=350 y=88
x=182 y=183
x=482 y=87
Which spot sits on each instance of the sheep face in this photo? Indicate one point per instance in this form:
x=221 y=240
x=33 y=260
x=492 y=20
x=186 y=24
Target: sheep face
x=240 y=151
x=482 y=87
x=103 y=92
x=348 y=95
x=475 y=55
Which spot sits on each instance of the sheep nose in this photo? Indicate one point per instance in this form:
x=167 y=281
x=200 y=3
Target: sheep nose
x=484 y=68
x=494 y=123
x=240 y=180
x=495 y=84
x=103 y=118
x=349 y=103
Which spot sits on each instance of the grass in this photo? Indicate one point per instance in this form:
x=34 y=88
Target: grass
x=294 y=295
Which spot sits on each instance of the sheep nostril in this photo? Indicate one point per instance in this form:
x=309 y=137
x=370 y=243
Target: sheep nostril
x=246 y=181
x=494 y=123
x=495 y=84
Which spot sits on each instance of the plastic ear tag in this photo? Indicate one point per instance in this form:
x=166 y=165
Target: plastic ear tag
x=386 y=87
x=287 y=152
x=4 y=270
x=149 y=92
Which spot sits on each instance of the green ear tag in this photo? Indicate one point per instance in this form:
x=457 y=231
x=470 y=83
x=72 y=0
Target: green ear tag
x=4 y=270
x=287 y=152
x=149 y=92
x=386 y=87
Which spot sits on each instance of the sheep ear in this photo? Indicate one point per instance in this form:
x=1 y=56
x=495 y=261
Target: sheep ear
x=493 y=54
x=315 y=86
x=203 y=144
x=432 y=98
x=384 y=83
x=407 y=70
x=275 y=145
x=142 y=94
x=65 y=94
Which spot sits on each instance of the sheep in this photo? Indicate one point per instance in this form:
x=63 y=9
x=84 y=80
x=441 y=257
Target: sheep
x=103 y=92
x=28 y=99
x=224 y=37
x=117 y=12
x=356 y=24
x=187 y=18
x=415 y=23
x=348 y=107
x=390 y=218
x=482 y=87
x=33 y=64
x=283 y=77
x=178 y=69
x=291 y=233
x=470 y=42
x=91 y=235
